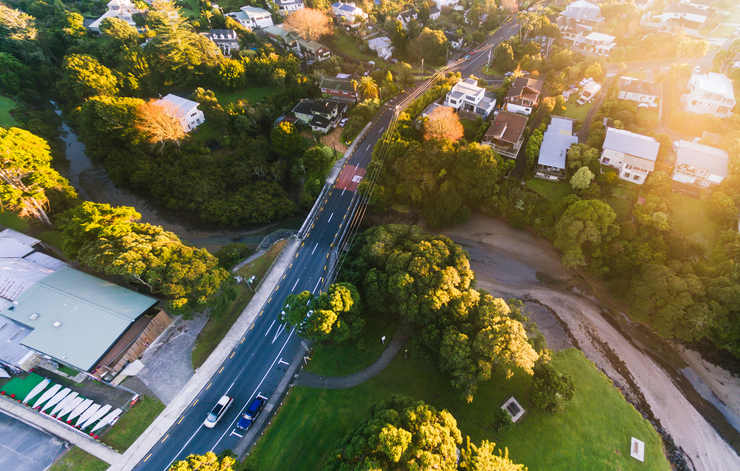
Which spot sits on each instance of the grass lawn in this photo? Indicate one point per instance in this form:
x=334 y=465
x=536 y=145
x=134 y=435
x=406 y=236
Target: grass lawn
x=78 y=459
x=576 y=111
x=217 y=327
x=52 y=238
x=133 y=423
x=646 y=118
x=7 y=104
x=13 y=221
x=347 y=45
x=470 y=128
x=622 y=197
x=252 y=94
x=723 y=31
x=592 y=433
x=553 y=191
x=203 y=133
x=191 y=10
x=691 y=217
x=492 y=71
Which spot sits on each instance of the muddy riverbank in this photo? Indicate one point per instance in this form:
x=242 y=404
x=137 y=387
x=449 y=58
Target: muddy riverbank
x=514 y=263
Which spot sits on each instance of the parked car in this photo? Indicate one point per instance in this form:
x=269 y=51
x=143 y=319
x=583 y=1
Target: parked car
x=218 y=411
x=697 y=69
x=343 y=122
x=472 y=53
x=255 y=407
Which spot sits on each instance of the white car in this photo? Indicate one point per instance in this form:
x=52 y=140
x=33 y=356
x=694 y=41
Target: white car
x=343 y=122
x=218 y=411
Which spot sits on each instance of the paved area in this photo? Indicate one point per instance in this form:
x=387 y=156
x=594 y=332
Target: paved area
x=24 y=448
x=54 y=427
x=168 y=361
x=312 y=380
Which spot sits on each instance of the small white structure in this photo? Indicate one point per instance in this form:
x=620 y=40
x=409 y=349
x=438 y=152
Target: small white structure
x=637 y=449
x=515 y=410
x=446 y=3
x=288 y=6
x=633 y=155
x=381 y=45
x=710 y=93
x=468 y=96
x=121 y=9
x=252 y=17
x=184 y=110
x=225 y=39
x=598 y=43
x=588 y=93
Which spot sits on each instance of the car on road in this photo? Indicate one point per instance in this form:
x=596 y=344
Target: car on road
x=472 y=53
x=218 y=411
x=697 y=69
x=254 y=409
x=343 y=122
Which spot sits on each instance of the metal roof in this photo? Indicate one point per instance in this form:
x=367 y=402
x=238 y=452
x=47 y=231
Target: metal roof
x=583 y=10
x=11 y=336
x=182 y=106
x=555 y=144
x=630 y=143
x=715 y=160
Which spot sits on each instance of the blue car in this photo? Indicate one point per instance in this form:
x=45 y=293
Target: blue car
x=255 y=407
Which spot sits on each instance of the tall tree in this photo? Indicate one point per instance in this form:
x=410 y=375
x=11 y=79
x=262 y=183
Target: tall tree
x=207 y=462
x=483 y=458
x=85 y=77
x=310 y=24
x=158 y=121
x=286 y=140
x=442 y=124
x=583 y=228
x=368 y=88
x=550 y=390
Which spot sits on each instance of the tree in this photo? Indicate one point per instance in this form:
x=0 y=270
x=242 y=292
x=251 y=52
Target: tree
x=446 y=208
x=286 y=140
x=583 y=155
x=368 y=88
x=443 y=124
x=482 y=458
x=581 y=230
x=503 y=56
x=84 y=77
x=119 y=31
x=581 y=179
x=550 y=390
x=158 y=121
x=310 y=24
x=431 y=45
x=692 y=49
x=479 y=170
x=14 y=74
x=207 y=462
x=26 y=174
x=315 y=159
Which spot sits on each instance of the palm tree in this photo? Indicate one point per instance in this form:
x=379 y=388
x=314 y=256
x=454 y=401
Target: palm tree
x=368 y=88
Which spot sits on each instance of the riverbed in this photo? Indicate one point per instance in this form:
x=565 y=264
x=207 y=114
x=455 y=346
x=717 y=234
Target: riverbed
x=514 y=263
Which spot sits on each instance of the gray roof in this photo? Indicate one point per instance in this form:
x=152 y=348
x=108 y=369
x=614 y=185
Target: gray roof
x=629 y=84
x=632 y=144
x=683 y=8
x=583 y=10
x=555 y=144
x=11 y=336
x=715 y=160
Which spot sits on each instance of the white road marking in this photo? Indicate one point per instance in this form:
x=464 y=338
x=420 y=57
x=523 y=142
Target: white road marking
x=234 y=433
x=314 y=250
x=317 y=285
x=343 y=190
x=296 y=281
x=332 y=215
x=268 y=329
x=381 y=129
x=281 y=362
x=183 y=447
x=280 y=330
x=368 y=147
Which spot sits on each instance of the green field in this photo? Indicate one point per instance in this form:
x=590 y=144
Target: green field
x=575 y=111
x=252 y=94
x=77 y=459
x=691 y=217
x=13 y=221
x=346 y=44
x=133 y=423
x=7 y=104
x=553 y=191
x=592 y=433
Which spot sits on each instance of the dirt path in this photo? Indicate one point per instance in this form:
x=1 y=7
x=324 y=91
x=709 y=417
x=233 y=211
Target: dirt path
x=510 y=263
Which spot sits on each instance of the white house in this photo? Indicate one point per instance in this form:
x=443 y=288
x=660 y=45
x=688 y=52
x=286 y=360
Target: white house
x=288 y=6
x=597 y=43
x=406 y=16
x=701 y=4
x=554 y=149
x=524 y=95
x=446 y=3
x=699 y=168
x=184 y=110
x=468 y=96
x=570 y=31
x=584 y=13
x=710 y=93
x=633 y=155
x=689 y=16
x=381 y=45
x=456 y=41
x=638 y=90
x=225 y=39
x=348 y=11
x=121 y=9
x=252 y=17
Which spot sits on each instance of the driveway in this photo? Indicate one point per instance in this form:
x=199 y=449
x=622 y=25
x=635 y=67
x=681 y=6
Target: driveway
x=24 y=448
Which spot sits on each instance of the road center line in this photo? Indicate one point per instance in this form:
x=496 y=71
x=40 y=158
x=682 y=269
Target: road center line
x=368 y=147
x=331 y=216
x=280 y=330
x=314 y=250
x=317 y=285
x=296 y=281
x=343 y=191
x=268 y=329
x=184 y=446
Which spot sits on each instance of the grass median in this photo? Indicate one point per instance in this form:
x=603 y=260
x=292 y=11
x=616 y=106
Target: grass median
x=78 y=459
x=592 y=433
x=132 y=424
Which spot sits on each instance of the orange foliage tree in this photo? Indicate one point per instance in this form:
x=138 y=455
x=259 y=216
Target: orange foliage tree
x=159 y=123
x=310 y=24
x=443 y=123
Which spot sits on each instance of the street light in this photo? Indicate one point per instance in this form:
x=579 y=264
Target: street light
x=250 y=281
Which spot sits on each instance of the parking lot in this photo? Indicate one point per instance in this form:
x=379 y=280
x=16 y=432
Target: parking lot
x=24 y=448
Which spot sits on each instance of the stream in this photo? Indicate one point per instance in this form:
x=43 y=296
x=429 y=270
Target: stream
x=92 y=184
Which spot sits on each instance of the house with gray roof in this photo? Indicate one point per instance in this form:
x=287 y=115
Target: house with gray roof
x=321 y=115
x=466 y=95
x=633 y=155
x=685 y=15
x=340 y=87
x=252 y=17
x=583 y=13
x=63 y=316
x=225 y=39
x=699 y=169
x=347 y=11
x=640 y=91
x=286 y=7
x=554 y=149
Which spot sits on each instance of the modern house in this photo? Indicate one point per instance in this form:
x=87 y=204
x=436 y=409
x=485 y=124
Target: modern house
x=597 y=43
x=347 y=11
x=638 y=90
x=584 y=13
x=225 y=39
x=684 y=15
x=699 y=169
x=554 y=149
x=406 y=16
x=381 y=45
x=121 y=9
x=340 y=87
x=286 y=7
x=468 y=96
x=322 y=115
x=284 y=35
x=710 y=93
x=523 y=96
x=186 y=111
x=314 y=50
x=252 y=17
x=52 y=314
x=456 y=40
x=505 y=134
x=633 y=155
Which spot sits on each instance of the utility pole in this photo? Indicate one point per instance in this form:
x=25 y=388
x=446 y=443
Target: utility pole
x=421 y=71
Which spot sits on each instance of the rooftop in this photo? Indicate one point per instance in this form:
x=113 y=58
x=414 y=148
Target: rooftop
x=629 y=84
x=555 y=144
x=339 y=83
x=630 y=143
x=507 y=127
x=254 y=12
x=522 y=83
x=684 y=8
x=716 y=161
x=713 y=83
x=181 y=105
x=582 y=10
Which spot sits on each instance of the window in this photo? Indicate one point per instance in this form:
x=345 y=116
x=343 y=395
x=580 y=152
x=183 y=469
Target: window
x=636 y=177
x=192 y=115
x=627 y=175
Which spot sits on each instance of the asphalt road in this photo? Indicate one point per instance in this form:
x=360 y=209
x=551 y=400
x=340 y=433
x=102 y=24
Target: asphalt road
x=259 y=362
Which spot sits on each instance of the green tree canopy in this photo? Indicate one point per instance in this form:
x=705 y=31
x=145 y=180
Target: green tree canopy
x=581 y=179
x=286 y=140
x=582 y=229
x=85 y=77
x=207 y=462
x=550 y=390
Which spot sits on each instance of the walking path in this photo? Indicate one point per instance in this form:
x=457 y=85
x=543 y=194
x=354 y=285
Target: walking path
x=312 y=380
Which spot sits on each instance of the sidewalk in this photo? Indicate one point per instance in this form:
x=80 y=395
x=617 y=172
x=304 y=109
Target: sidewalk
x=139 y=449
x=343 y=382
x=56 y=428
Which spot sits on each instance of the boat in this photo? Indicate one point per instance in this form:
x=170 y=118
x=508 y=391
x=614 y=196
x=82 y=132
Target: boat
x=55 y=400
x=89 y=412
x=108 y=419
x=48 y=394
x=62 y=404
x=37 y=390
x=96 y=416
x=79 y=410
x=71 y=405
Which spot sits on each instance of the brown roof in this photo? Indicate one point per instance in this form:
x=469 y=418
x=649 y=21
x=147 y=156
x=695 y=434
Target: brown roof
x=523 y=84
x=507 y=127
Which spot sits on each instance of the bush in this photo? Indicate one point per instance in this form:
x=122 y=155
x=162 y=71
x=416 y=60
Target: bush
x=231 y=254
x=550 y=390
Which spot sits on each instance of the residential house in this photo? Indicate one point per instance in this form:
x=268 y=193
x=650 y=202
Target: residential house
x=314 y=50
x=633 y=155
x=468 y=96
x=286 y=7
x=583 y=13
x=121 y=9
x=252 y=17
x=225 y=39
x=340 y=87
x=382 y=46
x=505 y=133
x=321 y=115
x=434 y=13
x=597 y=43
x=687 y=16
x=701 y=4
x=639 y=91
x=406 y=16
x=54 y=315
x=446 y=3
x=554 y=149
x=456 y=40
x=284 y=119
x=523 y=96
x=284 y=36
x=186 y=111
x=710 y=93
x=644 y=5
x=347 y=11
x=699 y=169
